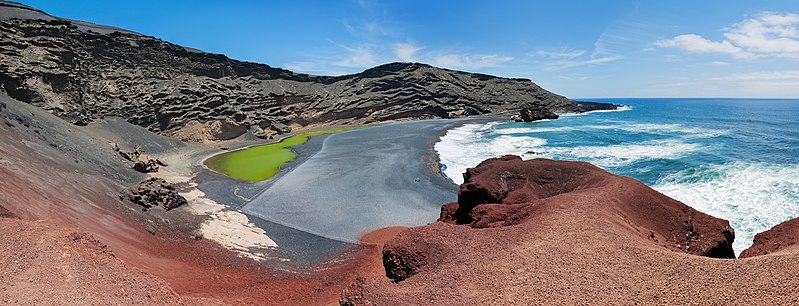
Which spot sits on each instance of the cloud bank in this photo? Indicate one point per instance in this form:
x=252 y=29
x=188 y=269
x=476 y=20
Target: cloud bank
x=767 y=35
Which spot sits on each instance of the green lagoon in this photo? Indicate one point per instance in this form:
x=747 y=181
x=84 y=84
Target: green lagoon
x=261 y=162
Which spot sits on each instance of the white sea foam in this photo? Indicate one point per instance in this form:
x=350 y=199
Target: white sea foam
x=619 y=155
x=470 y=144
x=660 y=128
x=671 y=129
x=465 y=147
x=753 y=197
x=526 y=130
x=651 y=128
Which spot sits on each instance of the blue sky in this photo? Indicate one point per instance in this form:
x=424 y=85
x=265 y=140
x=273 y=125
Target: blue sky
x=575 y=48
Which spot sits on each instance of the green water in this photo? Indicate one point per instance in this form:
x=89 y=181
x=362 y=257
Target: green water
x=261 y=162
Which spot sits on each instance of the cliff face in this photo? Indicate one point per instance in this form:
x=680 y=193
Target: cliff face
x=82 y=72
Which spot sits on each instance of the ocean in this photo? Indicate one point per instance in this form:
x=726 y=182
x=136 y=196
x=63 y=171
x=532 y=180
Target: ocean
x=736 y=159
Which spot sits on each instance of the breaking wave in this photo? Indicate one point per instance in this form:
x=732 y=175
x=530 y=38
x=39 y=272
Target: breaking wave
x=754 y=197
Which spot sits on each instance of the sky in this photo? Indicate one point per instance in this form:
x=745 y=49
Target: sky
x=580 y=49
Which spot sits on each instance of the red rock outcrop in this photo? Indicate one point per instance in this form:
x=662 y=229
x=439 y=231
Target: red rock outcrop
x=505 y=191
x=554 y=232
x=780 y=237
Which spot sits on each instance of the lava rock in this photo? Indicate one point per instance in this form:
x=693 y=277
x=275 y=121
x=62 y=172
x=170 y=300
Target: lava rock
x=154 y=192
x=534 y=114
x=146 y=166
x=595 y=106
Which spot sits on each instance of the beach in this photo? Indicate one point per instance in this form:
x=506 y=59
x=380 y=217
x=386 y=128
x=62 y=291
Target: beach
x=361 y=180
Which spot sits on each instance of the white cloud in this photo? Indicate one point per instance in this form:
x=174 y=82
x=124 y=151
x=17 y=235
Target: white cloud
x=789 y=75
x=366 y=28
x=601 y=60
x=575 y=62
x=558 y=54
x=697 y=44
x=358 y=57
x=316 y=68
x=720 y=63
x=467 y=61
x=564 y=59
x=406 y=52
x=351 y=59
x=766 y=84
x=767 y=35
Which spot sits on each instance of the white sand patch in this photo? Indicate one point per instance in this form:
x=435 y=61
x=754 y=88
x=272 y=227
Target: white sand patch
x=200 y=205
x=235 y=227
x=171 y=177
x=234 y=231
x=231 y=229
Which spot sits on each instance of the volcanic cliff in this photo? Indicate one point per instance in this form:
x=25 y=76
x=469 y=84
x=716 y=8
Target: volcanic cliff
x=82 y=72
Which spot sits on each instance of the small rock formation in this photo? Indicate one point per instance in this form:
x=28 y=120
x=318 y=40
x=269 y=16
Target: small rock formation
x=141 y=162
x=154 y=192
x=779 y=237
x=210 y=131
x=268 y=129
x=146 y=166
x=595 y=106
x=534 y=114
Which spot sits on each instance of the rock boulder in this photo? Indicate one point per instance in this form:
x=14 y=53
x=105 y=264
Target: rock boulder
x=154 y=192
x=534 y=114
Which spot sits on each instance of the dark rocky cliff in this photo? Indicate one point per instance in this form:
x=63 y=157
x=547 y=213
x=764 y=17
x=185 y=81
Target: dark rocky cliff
x=83 y=72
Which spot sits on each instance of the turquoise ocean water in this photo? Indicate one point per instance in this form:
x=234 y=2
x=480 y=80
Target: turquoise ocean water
x=736 y=159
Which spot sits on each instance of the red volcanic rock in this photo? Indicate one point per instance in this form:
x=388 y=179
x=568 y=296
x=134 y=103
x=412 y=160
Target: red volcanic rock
x=779 y=237
x=402 y=262
x=4 y=213
x=48 y=264
x=505 y=191
x=558 y=232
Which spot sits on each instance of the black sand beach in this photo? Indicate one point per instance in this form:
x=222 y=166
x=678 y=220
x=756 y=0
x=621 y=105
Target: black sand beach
x=369 y=173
